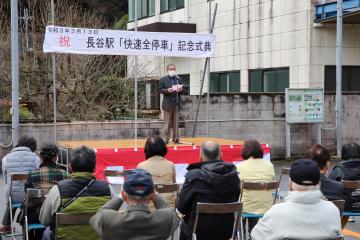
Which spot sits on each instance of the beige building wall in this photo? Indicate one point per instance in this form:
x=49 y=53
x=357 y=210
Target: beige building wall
x=257 y=34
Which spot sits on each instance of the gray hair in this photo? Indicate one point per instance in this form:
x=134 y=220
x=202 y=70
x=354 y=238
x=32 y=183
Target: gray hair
x=136 y=200
x=169 y=65
x=210 y=150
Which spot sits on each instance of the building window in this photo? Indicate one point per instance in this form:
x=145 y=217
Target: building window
x=170 y=5
x=186 y=80
x=225 y=82
x=269 y=80
x=145 y=8
x=350 y=78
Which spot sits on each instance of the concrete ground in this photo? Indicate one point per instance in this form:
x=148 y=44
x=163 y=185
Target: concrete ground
x=352 y=229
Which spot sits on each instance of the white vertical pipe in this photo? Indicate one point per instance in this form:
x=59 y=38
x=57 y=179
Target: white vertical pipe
x=339 y=44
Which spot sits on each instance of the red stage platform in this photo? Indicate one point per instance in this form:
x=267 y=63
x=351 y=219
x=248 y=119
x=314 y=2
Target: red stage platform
x=123 y=152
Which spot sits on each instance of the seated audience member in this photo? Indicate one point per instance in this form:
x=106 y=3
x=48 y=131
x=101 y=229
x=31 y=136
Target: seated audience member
x=302 y=210
x=136 y=222
x=255 y=169
x=209 y=181
x=44 y=178
x=81 y=193
x=349 y=170
x=349 y=167
x=161 y=170
x=331 y=189
x=22 y=159
x=48 y=174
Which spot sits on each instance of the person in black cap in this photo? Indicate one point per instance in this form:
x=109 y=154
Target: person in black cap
x=302 y=210
x=136 y=221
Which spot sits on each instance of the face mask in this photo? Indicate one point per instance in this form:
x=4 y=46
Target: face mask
x=171 y=73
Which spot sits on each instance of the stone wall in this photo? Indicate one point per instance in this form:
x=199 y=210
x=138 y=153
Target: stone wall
x=240 y=116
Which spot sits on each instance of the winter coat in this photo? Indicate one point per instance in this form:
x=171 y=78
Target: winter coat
x=348 y=170
x=303 y=215
x=19 y=160
x=208 y=182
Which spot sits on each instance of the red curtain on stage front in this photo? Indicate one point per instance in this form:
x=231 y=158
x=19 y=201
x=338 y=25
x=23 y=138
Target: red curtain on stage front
x=129 y=158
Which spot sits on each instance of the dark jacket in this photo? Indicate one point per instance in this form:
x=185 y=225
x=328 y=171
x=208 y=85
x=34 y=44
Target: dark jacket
x=331 y=189
x=348 y=170
x=208 y=182
x=170 y=99
x=94 y=197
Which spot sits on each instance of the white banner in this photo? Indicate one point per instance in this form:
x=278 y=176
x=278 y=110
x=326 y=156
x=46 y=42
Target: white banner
x=116 y=42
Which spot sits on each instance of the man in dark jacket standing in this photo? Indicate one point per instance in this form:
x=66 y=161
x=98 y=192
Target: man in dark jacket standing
x=171 y=87
x=210 y=181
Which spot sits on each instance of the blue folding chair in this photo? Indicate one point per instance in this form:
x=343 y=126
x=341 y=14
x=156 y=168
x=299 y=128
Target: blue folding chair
x=351 y=185
x=34 y=198
x=15 y=177
x=256 y=186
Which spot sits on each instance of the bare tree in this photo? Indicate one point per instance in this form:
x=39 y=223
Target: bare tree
x=88 y=87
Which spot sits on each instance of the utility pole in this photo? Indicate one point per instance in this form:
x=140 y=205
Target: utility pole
x=53 y=63
x=15 y=70
x=339 y=54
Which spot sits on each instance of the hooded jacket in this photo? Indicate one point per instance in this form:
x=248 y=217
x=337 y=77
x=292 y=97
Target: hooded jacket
x=303 y=215
x=348 y=170
x=208 y=182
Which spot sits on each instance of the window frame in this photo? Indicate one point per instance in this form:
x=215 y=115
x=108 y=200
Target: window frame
x=147 y=10
x=262 y=72
x=170 y=10
x=227 y=82
x=186 y=87
x=345 y=82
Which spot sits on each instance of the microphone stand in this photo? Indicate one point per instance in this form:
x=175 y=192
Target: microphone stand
x=178 y=113
x=177 y=109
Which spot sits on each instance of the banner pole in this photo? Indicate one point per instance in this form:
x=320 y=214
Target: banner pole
x=208 y=79
x=136 y=81
x=53 y=63
x=15 y=71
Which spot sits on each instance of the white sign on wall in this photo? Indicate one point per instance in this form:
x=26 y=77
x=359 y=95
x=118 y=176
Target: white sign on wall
x=117 y=42
x=304 y=105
